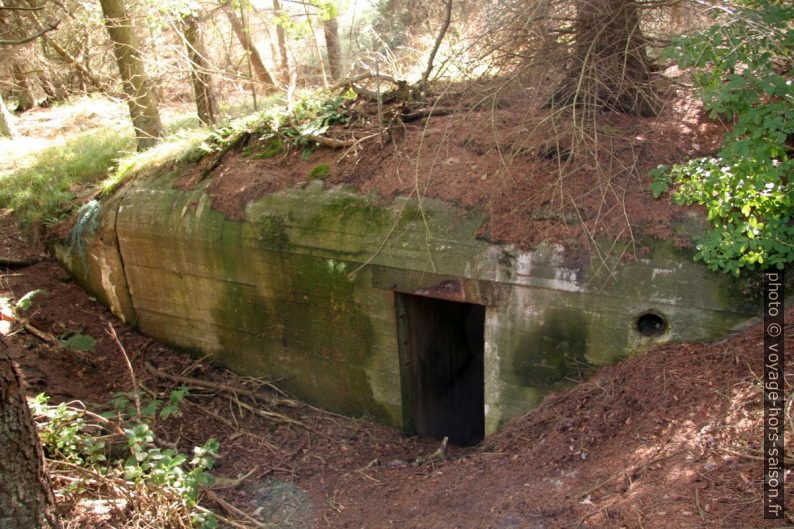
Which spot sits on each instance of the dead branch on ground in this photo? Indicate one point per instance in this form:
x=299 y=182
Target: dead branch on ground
x=18 y=262
x=227 y=388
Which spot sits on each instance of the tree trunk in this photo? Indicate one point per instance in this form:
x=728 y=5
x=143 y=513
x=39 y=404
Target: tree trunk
x=26 y=500
x=282 y=45
x=7 y=128
x=331 y=30
x=610 y=68
x=262 y=75
x=316 y=45
x=206 y=103
x=27 y=98
x=143 y=108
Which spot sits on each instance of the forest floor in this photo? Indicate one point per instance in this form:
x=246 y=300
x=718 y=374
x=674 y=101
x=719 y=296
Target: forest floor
x=666 y=440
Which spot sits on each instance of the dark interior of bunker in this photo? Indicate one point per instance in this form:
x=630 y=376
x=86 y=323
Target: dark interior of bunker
x=442 y=344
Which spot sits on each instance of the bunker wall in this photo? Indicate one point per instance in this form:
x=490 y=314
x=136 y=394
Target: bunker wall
x=303 y=291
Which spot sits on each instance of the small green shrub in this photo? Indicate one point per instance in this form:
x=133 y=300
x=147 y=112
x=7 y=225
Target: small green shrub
x=311 y=116
x=119 y=447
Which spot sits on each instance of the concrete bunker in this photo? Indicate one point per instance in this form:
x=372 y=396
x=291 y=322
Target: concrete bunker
x=332 y=292
x=441 y=367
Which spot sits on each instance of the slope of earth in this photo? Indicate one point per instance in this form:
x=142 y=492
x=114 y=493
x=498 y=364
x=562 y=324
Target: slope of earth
x=539 y=175
x=669 y=439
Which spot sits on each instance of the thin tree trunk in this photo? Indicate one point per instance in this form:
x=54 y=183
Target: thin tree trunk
x=206 y=103
x=332 y=45
x=262 y=75
x=282 y=45
x=26 y=500
x=7 y=128
x=316 y=45
x=143 y=108
x=439 y=38
x=27 y=99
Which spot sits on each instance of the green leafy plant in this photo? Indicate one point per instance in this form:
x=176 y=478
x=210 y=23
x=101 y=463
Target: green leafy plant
x=123 y=406
x=120 y=447
x=743 y=67
x=281 y=127
x=167 y=467
x=65 y=434
x=660 y=180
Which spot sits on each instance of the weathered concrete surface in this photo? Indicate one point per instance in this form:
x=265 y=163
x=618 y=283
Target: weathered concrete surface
x=92 y=255
x=303 y=290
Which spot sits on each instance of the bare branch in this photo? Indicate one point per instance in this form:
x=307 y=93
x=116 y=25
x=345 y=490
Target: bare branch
x=439 y=38
x=52 y=25
x=20 y=8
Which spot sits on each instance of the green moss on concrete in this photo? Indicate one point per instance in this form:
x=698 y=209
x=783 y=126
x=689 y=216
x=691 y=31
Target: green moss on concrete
x=349 y=208
x=553 y=350
x=272 y=232
x=296 y=313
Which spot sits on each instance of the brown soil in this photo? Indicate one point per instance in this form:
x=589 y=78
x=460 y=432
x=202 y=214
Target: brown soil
x=535 y=179
x=664 y=440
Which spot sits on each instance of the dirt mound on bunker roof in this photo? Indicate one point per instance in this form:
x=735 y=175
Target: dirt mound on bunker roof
x=539 y=175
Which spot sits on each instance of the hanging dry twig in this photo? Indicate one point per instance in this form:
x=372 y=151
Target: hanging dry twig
x=135 y=390
x=51 y=26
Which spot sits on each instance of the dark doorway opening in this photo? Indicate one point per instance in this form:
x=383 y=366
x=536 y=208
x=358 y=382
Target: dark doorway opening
x=442 y=374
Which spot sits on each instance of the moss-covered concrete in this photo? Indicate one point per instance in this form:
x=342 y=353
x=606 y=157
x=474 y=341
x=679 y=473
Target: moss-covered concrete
x=303 y=290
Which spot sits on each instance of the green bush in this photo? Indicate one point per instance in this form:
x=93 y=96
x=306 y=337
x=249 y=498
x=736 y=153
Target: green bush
x=743 y=70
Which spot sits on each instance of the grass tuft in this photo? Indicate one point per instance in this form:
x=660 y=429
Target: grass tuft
x=42 y=185
x=183 y=146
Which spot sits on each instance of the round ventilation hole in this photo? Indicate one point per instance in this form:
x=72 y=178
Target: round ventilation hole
x=650 y=324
